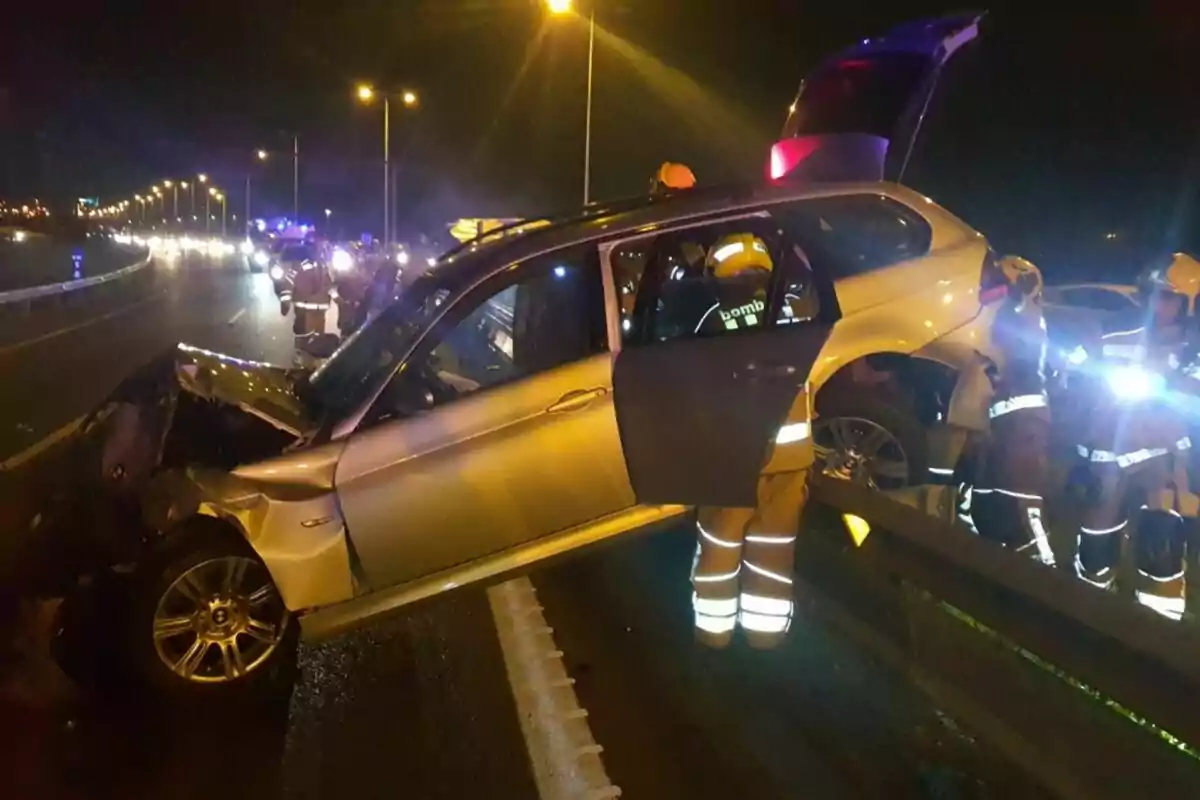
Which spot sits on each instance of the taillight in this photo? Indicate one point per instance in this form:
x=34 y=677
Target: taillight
x=993 y=285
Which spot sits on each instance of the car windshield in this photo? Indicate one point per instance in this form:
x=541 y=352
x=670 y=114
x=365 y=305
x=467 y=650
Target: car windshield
x=373 y=352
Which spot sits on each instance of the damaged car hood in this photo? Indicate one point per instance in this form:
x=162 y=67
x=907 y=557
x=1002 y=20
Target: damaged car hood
x=264 y=390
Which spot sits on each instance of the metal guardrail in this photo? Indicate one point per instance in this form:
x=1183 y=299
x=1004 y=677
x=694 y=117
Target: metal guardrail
x=1090 y=691
x=52 y=289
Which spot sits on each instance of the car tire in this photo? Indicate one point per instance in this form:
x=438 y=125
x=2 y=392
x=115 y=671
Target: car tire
x=852 y=416
x=206 y=603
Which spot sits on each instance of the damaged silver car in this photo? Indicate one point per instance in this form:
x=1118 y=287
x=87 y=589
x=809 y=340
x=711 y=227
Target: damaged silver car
x=528 y=396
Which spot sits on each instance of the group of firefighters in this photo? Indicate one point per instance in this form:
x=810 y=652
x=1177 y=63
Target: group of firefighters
x=993 y=481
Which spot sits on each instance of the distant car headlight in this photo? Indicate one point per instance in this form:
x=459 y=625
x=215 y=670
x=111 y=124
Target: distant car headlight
x=1132 y=383
x=402 y=258
x=261 y=259
x=341 y=260
x=247 y=248
x=276 y=273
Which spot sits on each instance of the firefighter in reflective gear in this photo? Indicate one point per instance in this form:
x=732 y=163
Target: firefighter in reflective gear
x=1137 y=440
x=1006 y=504
x=739 y=266
x=744 y=558
x=310 y=298
x=672 y=177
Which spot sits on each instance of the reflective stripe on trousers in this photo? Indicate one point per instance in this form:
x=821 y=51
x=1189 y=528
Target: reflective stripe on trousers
x=744 y=563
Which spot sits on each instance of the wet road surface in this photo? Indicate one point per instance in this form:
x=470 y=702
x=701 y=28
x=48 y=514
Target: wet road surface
x=420 y=705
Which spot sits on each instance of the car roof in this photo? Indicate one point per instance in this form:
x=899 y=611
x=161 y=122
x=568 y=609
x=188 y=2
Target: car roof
x=473 y=261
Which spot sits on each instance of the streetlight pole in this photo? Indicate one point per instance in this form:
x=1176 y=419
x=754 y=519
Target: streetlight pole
x=387 y=181
x=224 y=215
x=587 y=131
x=207 y=209
x=192 y=204
x=295 y=178
x=366 y=94
x=559 y=8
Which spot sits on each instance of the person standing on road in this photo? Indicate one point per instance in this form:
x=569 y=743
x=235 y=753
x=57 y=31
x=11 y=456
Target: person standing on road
x=744 y=558
x=1138 y=439
x=1006 y=504
x=311 y=298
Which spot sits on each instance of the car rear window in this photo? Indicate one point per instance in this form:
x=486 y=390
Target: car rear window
x=862 y=95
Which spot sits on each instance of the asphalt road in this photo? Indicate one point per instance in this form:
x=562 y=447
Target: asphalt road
x=422 y=705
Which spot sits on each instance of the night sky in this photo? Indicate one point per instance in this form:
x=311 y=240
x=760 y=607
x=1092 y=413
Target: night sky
x=1048 y=133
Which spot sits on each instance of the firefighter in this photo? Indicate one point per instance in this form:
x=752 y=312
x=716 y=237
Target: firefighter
x=1006 y=504
x=1136 y=441
x=310 y=297
x=744 y=559
x=672 y=177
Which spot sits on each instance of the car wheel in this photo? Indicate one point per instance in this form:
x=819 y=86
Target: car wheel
x=870 y=440
x=207 y=620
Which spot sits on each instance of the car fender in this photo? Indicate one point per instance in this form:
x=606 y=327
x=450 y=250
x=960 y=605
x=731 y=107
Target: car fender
x=288 y=511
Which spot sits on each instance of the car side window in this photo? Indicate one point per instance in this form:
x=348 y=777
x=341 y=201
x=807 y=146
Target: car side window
x=719 y=279
x=539 y=315
x=855 y=234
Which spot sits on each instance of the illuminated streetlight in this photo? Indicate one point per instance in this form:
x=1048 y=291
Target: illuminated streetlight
x=262 y=155
x=366 y=94
x=562 y=8
x=202 y=178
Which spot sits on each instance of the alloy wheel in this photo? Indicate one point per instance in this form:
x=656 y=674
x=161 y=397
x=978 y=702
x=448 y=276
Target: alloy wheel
x=218 y=621
x=860 y=451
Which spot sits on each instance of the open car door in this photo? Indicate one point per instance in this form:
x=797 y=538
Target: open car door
x=704 y=390
x=857 y=116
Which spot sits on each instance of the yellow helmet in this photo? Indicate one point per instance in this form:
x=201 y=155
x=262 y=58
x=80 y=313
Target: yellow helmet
x=1180 y=276
x=1023 y=275
x=738 y=253
x=673 y=177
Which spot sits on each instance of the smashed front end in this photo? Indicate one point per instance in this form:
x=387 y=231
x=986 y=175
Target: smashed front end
x=110 y=490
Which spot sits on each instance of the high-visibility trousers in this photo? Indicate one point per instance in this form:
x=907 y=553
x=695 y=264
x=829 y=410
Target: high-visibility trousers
x=744 y=564
x=1007 y=504
x=1159 y=474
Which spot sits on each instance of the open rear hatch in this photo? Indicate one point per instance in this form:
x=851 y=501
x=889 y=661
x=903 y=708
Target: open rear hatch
x=857 y=115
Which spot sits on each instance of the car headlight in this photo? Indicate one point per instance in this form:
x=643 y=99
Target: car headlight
x=1132 y=383
x=341 y=260
x=247 y=248
x=1077 y=356
x=276 y=273
x=261 y=259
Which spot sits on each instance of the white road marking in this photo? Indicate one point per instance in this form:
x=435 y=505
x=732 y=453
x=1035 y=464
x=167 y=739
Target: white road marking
x=41 y=446
x=233 y=320
x=12 y=348
x=566 y=759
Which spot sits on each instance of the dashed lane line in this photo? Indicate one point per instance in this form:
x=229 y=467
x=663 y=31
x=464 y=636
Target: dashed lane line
x=39 y=447
x=233 y=320
x=566 y=759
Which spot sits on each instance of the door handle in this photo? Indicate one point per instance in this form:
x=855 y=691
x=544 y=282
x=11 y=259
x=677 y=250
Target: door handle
x=573 y=401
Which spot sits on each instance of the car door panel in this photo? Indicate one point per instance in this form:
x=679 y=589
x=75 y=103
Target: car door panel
x=697 y=416
x=484 y=473
x=857 y=115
